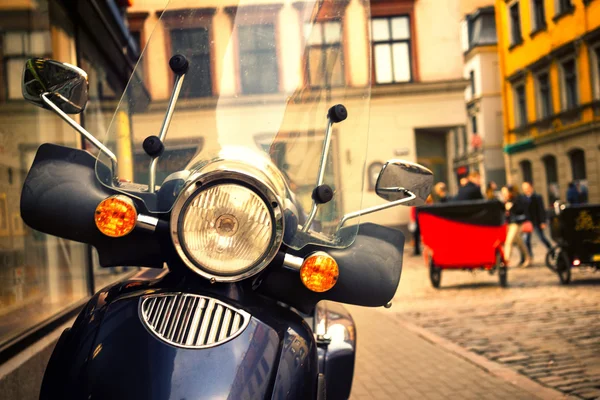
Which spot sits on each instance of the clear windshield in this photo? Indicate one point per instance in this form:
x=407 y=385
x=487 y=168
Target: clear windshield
x=262 y=75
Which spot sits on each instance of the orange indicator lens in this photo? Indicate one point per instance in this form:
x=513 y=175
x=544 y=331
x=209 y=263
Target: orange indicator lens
x=116 y=216
x=319 y=272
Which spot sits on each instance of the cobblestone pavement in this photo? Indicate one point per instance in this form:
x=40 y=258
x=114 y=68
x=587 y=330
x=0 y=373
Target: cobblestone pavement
x=537 y=327
x=395 y=363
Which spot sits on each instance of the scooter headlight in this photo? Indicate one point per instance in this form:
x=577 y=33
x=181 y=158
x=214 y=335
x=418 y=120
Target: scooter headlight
x=227 y=231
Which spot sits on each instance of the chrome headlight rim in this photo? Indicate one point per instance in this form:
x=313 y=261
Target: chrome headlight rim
x=214 y=178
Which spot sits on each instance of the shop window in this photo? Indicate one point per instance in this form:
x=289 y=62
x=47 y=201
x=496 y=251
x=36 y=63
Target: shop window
x=520 y=105
x=325 y=56
x=577 y=158
x=551 y=170
x=391 y=49
x=515 y=24
x=526 y=171
x=258 y=59
x=538 y=15
x=544 y=94
x=40 y=275
x=195 y=45
x=569 y=84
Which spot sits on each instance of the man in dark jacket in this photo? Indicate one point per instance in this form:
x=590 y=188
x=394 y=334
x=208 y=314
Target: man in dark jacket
x=472 y=190
x=536 y=213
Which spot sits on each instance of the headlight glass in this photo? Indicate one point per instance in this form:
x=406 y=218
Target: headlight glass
x=226 y=229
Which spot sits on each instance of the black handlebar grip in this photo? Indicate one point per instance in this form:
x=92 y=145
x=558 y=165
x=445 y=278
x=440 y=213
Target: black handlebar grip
x=179 y=64
x=337 y=113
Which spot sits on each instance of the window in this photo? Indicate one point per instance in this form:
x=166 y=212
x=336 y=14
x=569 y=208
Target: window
x=258 y=59
x=18 y=47
x=472 y=82
x=520 y=106
x=569 y=82
x=391 y=49
x=544 y=96
x=515 y=24
x=474 y=123
x=526 y=171
x=595 y=70
x=325 y=58
x=551 y=178
x=577 y=158
x=563 y=6
x=538 y=15
x=194 y=44
x=41 y=275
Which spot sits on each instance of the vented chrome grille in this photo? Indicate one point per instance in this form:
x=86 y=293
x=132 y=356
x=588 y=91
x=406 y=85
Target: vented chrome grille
x=192 y=321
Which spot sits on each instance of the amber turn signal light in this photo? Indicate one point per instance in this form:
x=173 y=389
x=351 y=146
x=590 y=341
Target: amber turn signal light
x=319 y=272
x=116 y=216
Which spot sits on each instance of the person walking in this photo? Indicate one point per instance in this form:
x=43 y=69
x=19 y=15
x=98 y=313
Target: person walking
x=536 y=213
x=572 y=194
x=440 y=192
x=516 y=208
x=490 y=191
x=472 y=189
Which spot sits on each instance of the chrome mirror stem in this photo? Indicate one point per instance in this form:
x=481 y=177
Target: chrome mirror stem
x=321 y=175
x=352 y=215
x=82 y=131
x=165 y=128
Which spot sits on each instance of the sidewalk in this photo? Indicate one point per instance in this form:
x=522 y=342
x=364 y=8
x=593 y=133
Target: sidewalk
x=396 y=363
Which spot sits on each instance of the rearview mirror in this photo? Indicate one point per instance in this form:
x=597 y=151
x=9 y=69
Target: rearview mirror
x=64 y=84
x=399 y=178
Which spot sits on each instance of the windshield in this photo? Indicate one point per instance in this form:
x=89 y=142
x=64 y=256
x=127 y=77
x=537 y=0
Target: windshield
x=262 y=76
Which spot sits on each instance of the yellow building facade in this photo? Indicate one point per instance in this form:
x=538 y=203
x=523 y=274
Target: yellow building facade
x=549 y=56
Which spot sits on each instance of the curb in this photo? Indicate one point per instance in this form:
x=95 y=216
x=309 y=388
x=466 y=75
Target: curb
x=494 y=368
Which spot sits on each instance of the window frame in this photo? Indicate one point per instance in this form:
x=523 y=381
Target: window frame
x=564 y=99
x=539 y=98
x=561 y=9
x=171 y=20
x=515 y=41
x=594 y=57
x=521 y=118
x=390 y=42
x=526 y=168
x=538 y=23
x=572 y=158
x=275 y=52
x=323 y=46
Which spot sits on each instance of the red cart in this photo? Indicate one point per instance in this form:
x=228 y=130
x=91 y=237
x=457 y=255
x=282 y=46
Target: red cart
x=464 y=235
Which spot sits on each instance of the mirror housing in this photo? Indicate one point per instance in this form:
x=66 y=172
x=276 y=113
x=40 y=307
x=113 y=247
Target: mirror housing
x=399 y=178
x=65 y=85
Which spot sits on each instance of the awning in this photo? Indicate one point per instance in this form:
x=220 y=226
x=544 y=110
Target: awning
x=519 y=146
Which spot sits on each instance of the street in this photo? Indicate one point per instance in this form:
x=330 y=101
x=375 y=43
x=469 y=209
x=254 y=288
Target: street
x=546 y=333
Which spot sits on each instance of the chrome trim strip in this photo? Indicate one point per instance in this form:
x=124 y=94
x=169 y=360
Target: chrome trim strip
x=205 y=323
x=146 y=222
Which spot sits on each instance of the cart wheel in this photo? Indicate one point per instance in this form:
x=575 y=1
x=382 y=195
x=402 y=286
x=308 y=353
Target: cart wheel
x=502 y=270
x=435 y=274
x=551 y=258
x=563 y=267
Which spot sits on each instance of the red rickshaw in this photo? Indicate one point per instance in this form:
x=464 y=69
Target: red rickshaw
x=464 y=236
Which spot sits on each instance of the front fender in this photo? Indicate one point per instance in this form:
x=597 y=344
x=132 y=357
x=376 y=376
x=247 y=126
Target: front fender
x=110 y=353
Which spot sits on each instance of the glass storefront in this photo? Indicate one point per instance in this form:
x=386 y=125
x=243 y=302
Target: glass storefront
x=40 y=275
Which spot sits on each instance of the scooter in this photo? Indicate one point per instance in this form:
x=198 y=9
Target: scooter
x=244 y=303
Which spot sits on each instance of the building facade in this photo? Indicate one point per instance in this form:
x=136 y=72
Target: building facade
x=549 y=55
x=415 y=104
x=45 y=280
x=479 y=147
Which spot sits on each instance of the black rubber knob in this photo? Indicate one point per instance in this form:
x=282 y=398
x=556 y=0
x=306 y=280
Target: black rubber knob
x=153 y=146
x=337 y=113
x=322 y=194
x=179 y=64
